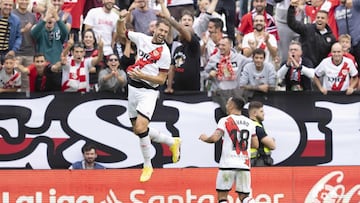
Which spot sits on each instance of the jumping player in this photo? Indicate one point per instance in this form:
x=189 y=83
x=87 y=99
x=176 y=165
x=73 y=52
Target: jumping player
x=149 y=71
x=238 y=134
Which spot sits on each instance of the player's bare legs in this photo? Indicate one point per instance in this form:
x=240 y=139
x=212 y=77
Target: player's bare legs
x=222 y=196
x=245 y=198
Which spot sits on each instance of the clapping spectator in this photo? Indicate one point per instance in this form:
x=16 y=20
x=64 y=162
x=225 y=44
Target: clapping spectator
x=260 y=38
x=50 y=34
x=246 y=24
x=112 y=78
x=64 y=16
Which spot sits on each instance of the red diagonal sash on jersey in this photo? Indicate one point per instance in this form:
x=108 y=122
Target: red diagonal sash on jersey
x=233 y=130
x=154 y=55
x=9 y=83
x=342 y=73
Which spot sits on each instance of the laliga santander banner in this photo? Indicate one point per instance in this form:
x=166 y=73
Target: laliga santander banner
x=188 y=185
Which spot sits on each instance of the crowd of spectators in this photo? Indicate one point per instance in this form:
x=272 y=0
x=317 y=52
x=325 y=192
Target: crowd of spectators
x=216 y=45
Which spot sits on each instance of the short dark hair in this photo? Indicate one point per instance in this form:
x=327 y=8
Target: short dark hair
x=87 y=147
x=113 y=54
x=219 y=24
x=187 y=12
x=94 y=35
x=37 y=55
x=78 y=45
x=228 y=38
x=323 y=11
x=255 y=105
x=163 y=21
x=9 y=57
x=258 y=51
x=239 y=102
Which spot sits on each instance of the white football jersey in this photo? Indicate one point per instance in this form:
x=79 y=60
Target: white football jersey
x=336 y=77
x=238 y=131
x=151 y=58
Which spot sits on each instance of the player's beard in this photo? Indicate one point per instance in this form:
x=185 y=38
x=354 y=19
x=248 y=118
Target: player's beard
x=89 y=160
x=259 y=27
x=259 y=118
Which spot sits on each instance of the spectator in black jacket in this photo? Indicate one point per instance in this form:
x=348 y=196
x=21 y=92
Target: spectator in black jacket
x=297 y=72
x=316 y=38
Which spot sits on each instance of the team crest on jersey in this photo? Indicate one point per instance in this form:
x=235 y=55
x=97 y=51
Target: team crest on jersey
x=155 y=53
x=328 y=39
x=345 y=72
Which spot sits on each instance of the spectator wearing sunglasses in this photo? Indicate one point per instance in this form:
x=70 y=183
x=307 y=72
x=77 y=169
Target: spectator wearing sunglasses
x=112 y=78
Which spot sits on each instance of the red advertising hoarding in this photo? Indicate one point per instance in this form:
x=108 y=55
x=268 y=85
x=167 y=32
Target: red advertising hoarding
x=187 y=185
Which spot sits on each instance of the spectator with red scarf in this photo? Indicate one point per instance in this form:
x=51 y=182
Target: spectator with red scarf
x=223 y=71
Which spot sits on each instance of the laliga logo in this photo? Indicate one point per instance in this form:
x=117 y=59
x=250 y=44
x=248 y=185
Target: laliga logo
x=324 y=192
x=54 y=198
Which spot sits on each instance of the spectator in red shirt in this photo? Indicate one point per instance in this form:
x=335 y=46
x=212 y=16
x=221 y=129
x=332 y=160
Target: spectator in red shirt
x=246 y=23
x=41 y=77
x=75 y=8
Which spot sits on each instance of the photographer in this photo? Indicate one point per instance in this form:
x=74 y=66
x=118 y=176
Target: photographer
x=262 y=155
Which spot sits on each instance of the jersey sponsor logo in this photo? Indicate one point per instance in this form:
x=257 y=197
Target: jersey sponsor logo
x=146 y=58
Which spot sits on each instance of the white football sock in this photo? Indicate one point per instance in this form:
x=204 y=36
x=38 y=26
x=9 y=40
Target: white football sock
x=160 y=137
x=145 y=145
